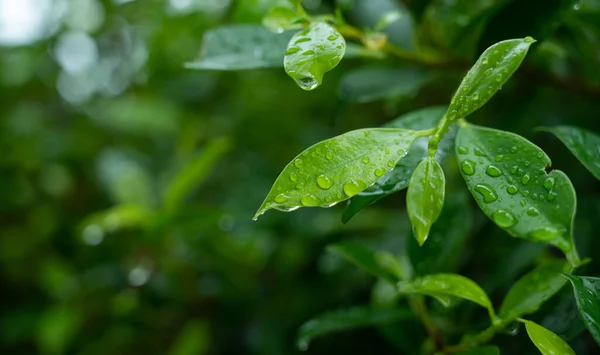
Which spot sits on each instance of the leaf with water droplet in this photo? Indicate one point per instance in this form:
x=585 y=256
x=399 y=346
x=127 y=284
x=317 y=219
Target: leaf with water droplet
x=319 y=180
x=281 y=18
x=479 y=85
x=587 y=294
x=584 y=145
x=515 y=195
x=444 y=285
x=347 y=319
x=312 y=52
x=532 y=290
x=398 y=179
x=547 y=342
x=425 y=197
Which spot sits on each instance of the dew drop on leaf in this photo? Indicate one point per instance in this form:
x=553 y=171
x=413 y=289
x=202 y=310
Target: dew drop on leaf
x=551 y=196
x=324 y=182
x=298 y=163
x=548 y=184
x=532 y=211
x=504 y=218
x=353 y=187
x=545 y=233
x=463 y=150
x=379 y=172
x=293 y=177
x=525 y=179
x=493 y=171
x=512 y=189
x=366 y=160
x=468 y=167
x=328 y=155
x=309 y=200
x=281 y=198
x=487 y=192
x=488 y=72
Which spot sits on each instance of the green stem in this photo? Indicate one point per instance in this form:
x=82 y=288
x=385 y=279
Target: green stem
x=478 y=339
x=417 y=304
x=440 y=132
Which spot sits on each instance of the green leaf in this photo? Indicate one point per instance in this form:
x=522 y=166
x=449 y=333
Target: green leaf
x=371 y=84
x=587 y=294
x=338 y=168
x=281 y=18
x=493 y=68
x=442 y=286
x=346 y=319
x=446 y=238
x=56 y=328
x=193 y=339
x=547 y=342
x=532 y=290
x=380 y=264
x=584 y=145
x=399 y=178
x=506 y=175
x=425 y=197
x=482 y=350
x=312 y=52
x=240 y=47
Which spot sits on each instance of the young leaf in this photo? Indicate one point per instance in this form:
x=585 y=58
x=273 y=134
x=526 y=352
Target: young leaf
x=547 y=342
x=425 y=197
x=493 y=68
x=379 y=264
x=239 y=47
x=587 y=294
x=281 y=18
x=584 y=145
x=532 y=290
x=370 y=84
x=338 y=168
x=506 y=175
x=312 y=52
x=399 y=178
x=346 y=319
x=482 y=350
x=442 y=286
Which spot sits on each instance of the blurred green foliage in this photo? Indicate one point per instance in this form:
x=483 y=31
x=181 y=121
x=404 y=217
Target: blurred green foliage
x=128 y=182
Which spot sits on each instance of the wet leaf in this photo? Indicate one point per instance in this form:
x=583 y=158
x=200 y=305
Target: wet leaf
x=482 y=350
x=312 y=52
x=584 y=145
x=547 y=342
x=425 y=197
x=338 y=168
x=532 y=290
x=506 y=175
x=281 y=18
x=370 y=84
x=587 y=294
x=380 y=264
x=346 y=319
x=493 y=68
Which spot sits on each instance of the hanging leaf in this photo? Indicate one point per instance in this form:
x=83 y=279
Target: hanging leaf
x=425 y=197
x=584 y=145
x=587 y=294
x=507 y=176
x=547 y=342
x=312 y=52
x=338 y=168
x=371 y=84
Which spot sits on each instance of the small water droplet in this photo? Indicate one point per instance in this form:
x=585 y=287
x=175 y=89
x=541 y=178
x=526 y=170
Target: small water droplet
x=512 y=189
x=484 y=60
x=463 y=150
x=300 y=186
x=475 y=96
x=493 y=171
x=496 y=52
x=525 y=179
x=529 y=39
x=520 y=172
x=545 y=233
x=540 y=155
x=504 y=219
x=366 y=160
x=367 y=133
x=525 y=193
x=513 y=149
x=328 y=155
x=499 y=78
x=532 y=211
x=324 y=182
x=293 y=177
x=307 y=83
x=479 y=152
x=379 y=172
x=309 y=200
x=391 y=163
x=332 y=37
x=499 y=157
x=292 y=50
x=551 y=196
x=387 y=151
x=548 y=184
x=298 y=163
x=487 y=192
x=286 y=208
x=302 y=39
x=281 y=198
x=353 y=187
x=308 y=52
x=513 y=169
x=468 y=167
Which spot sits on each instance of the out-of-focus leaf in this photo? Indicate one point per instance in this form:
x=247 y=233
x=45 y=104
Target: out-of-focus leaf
x=118 y=217
x=346 y=319
x=425 y=197
x=193 y=172
x=370 y=84
x=562 y=317
x=194 y=339
x=547 y=342
x=281 y=18
x=587 y=294
x=56 y=328
x=506 y=175
x=338 y=168
x=584 y=145
x=482 y=350
x=493 y=68
x=240 y=47
x=312 y=52
x=532 y=290
x=380 y=264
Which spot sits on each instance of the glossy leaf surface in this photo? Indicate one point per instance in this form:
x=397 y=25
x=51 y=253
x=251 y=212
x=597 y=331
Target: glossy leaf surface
x=493 y=68
x=587 y=294
x=370 y=84
x=239 y=47
x=584 y=145
x=281 y=18
x=312 y=52
x=506 y=175
x=425 y=197
x=532 y=290
x=338 y=168
x=380 y=264
x=547 y=342
x=346 y=319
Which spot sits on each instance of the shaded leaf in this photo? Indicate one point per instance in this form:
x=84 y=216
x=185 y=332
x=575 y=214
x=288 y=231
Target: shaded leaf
x=56 y=328
x=506 y=175
x=482 y=350
x=312 y=52
x=338 y=168
x=547 y=342
x=584 y=145
x=346 y=319
x=194 y=339
x=425 y=197
x=587 y=294
x=380 y=264
x=281 y=18
x=370 y=84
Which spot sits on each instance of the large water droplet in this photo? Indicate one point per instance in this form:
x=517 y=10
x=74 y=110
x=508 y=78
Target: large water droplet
x=309 y=200
x=324 y=182
x=487 y=192
x=504 y=219
x=532 y=211
x=548 y=184
x=545 y=233
x=353 y=187
x=463 y=150
x=307 y=83
x=292 y=50
x=512 y=189
x=467 y=167
x=281 y=198
x=525 y=179
x=493 y=171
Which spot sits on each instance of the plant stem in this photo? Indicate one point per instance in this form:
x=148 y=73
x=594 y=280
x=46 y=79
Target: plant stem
x=441 y=130
x=478 y=339
x=417 y=304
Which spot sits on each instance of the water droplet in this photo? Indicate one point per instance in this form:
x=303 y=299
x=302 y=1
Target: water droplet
x=367 y=133
x=293 y=177
x=324 y=182
x=532 y=211
x=309 y=200
x=479 y=152
x=379 y=172
x=513 y=169
x=366 y=160
x=525 y=179
x=504 y=219
x=475 y=96
x=332 y=37
x=353 y=187
x=298 y=163
x=300 y=186
x=308 y=52
x=513 y=149
x=463 y=150
x=401 y=152
x=488 y=72
x=391 y=163
x=465 y=88
x=467 y=167
x=484 y=60
x=487 y=192
x=548 y=184
x=286 y=208
x=551 y=196
x=496 y=52
x=292 y=50
x=302 y=39
x=520 y=172
x=529 y=39
x=307 y=83
x=545 y=233
x=512 y=189
x=540 y=155
x=499 y=157
x=328 y=155
x=387 y=151
x=498 y=78
x=493 y=171
x=526 y=163
x=281 y=198
x=525 y=193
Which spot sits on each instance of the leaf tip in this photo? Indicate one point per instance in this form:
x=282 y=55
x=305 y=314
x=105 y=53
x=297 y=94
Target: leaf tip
x=529 y=40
